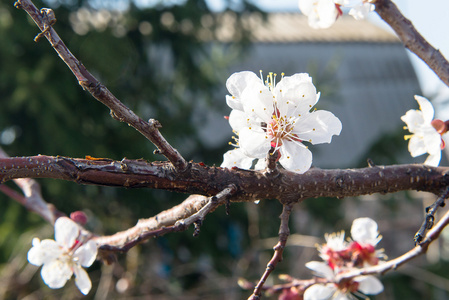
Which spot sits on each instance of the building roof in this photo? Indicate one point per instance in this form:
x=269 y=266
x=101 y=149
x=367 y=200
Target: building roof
x=293 y=27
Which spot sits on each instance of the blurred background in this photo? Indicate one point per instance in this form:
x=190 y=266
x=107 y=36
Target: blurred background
x=169 y=60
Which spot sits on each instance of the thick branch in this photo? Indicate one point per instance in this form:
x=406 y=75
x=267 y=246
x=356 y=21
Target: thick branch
x=208 y=181
x=44 y=20
x=32 y=198
x=412 y=39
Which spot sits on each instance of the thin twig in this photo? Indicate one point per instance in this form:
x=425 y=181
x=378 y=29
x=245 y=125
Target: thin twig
x=284 y=232
x=44 y=20
x=123 y=241
x=430 y=216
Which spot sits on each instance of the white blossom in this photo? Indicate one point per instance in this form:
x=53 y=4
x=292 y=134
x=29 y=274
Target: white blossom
x=278 y=116
x=368 y=285
x=64 y=256
x=359 y=8
x=425 y=138
x=321 y=13
x=364 y=231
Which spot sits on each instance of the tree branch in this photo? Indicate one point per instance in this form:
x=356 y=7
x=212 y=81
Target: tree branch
x=412 y=39
x=194 y=209
x=208 y=181
x=32 y=198
x=44 y=20
x=284 y=232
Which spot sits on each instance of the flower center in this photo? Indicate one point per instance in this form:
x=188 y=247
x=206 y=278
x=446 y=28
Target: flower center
x=279 y=128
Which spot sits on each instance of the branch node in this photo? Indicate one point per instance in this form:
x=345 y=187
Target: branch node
x=154 y=123
x=18 y=5
x=49 y=19
x=197 y=224
x=430 y=216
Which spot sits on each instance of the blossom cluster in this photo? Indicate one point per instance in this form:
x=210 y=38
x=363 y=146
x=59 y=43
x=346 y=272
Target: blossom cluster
x=276 y=118
x=64 y=256
x=323 y=13
x=340 y=255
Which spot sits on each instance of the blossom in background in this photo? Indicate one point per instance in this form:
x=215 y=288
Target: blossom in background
x=334 y=250
x=368 y=285
x=64 y=256
x=359 y=8
x=339 y=256
x=267 y=116
x=365 y=238
x=323 y=13
x=426 y=132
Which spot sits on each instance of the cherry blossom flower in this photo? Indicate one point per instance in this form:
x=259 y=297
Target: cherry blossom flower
x=426 y=132
x=340 y=256
x=365 y=238
x=333 y=251
x=64 y=256
x=368 y=285
x=279 y=117
x=321 y=13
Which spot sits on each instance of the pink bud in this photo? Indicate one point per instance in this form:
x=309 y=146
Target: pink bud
x=440 y=126
x=79 y=217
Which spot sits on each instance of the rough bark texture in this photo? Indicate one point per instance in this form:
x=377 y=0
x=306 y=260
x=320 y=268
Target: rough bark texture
x=208 y=181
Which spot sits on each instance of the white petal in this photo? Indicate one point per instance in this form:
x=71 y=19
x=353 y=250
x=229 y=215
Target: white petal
x=414 y=120
x=236 y=158
x=238 y=120
x=361 y=11
x=254 y=142
x=426 y=107
x=317 y=127
x=321 y=13
x=320 y=292
x=237 y=82
x=82 y=280
x=364 y=230
x=416 y=146
x=433 y=159
x=295 y=157
x=234 y=102
x=432 y=140
x=369 y=285
x=258 y=102
x=56 y=274
x=43 y=252
x=66 y=232
x=296 y=94
x=321 y=269
x=86 y=254
x=261 y=164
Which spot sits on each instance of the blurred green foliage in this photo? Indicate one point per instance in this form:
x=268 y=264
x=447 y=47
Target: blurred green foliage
x=162 y=62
